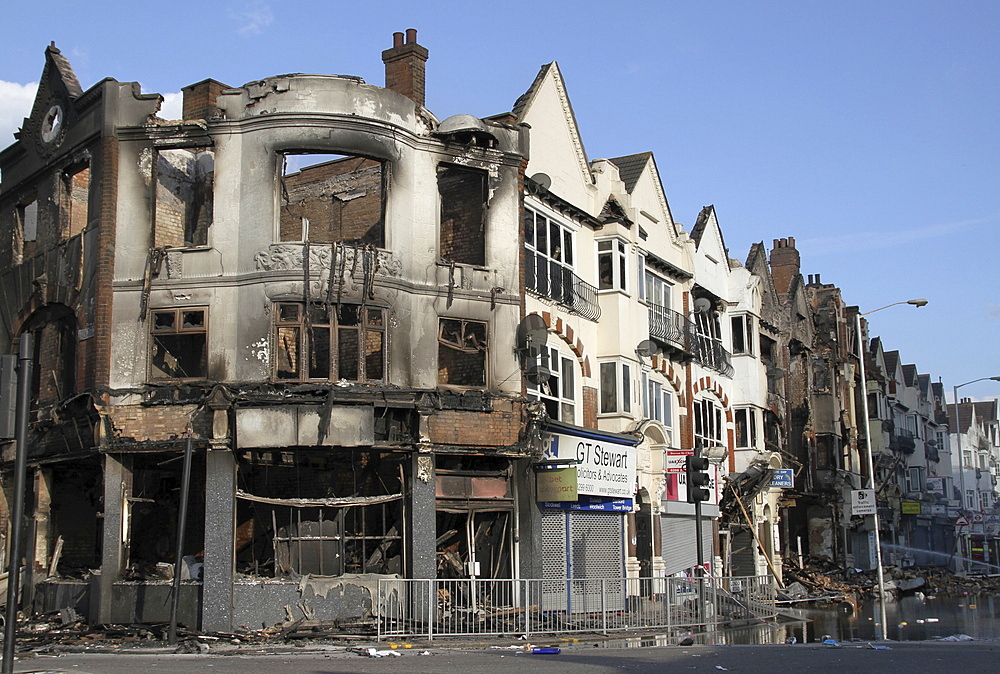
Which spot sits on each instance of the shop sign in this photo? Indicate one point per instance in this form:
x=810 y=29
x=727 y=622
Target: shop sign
x=604 y=467
x=910 y=507
x=592 y=504
x=783 y=478
x=935 y=485
x=673 y=461
x=556 y=484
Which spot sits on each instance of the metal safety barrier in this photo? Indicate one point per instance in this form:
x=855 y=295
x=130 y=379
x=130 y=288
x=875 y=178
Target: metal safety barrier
x=471 y=607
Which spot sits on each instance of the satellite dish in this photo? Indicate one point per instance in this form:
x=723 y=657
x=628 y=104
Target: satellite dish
x=531 y=335
x=543 y=180
x=702 y=304
x=647 y=348
x=537 y=374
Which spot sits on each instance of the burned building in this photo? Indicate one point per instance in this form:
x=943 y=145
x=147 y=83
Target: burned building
x=310 y=279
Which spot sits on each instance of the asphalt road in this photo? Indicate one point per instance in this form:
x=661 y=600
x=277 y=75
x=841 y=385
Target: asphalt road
x=920 y=657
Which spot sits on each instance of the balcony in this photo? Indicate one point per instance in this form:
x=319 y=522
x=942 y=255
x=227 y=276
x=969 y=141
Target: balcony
x=558 y=283
x=711 y=354
x=672 y=329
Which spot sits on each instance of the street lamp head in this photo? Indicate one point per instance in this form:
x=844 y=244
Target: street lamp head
x=917 y=303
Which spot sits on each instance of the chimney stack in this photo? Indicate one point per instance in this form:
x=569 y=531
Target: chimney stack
x=784 y=264
x=405 y=65
x=199 y=99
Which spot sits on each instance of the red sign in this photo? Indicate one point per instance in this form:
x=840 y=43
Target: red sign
x=961 y=522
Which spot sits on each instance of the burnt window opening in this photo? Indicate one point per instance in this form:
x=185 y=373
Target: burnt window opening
x=331 y=199
x=153 y=506
x=463 y=214
x=180 y=344
x=75 y=200
x=26 y=232
x=474 y=517
x=319 y=512
x=74 y=531
x=184 y=187
x=329 y=342
x=462 y=349
x=53 y=375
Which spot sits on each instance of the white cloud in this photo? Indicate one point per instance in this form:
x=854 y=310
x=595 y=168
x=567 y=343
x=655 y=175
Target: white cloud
x=252 y=18
x=172 y=107
x=15 y=105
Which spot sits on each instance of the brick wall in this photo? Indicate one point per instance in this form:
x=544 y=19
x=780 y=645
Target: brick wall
x=342 y=200
x=159 y=423
x=200 y=98
x=463 y=214
x=590 y=398
x=477 y=429
x=95 y=353
x=405 y=67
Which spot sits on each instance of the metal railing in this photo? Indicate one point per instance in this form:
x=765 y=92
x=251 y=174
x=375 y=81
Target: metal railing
x=710 y=353
x=473 y=607
x=671 y=327
x=559 y=283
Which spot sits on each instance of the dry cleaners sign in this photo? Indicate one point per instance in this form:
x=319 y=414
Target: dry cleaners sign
x=604 y=467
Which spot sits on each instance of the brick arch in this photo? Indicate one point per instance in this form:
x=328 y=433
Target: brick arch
x=709 y=385
x=566 y=334
x=666 y=368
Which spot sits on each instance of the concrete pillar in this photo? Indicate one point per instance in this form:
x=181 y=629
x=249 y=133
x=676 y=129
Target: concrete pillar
x=220 y=541
x=421 y=523
x=117 y=486
x=529 y=522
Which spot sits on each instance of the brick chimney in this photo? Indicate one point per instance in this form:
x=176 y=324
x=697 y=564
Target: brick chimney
x=784 y=264
x=405 y=65
x=199 y=99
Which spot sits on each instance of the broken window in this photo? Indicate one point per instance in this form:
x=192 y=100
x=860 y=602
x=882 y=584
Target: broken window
x=26 y=232
x=332 y=198
x=463 y=214
x=184 y=197
x=745 y=422
x=342 y=341
x=74 y=493
x=153 y=506
x=462 y=348
x=75 y=199
x=708 y=426
x=180 y=338
x=475 y=511
x=54 y=361
x=319 y=512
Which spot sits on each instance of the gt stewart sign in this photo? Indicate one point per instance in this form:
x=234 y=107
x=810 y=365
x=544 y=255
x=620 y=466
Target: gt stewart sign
x=605 y=465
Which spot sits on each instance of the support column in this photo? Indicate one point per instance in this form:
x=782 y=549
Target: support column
x=421 y=525
x=117 y=486
x=530 y=522
x=220 y=541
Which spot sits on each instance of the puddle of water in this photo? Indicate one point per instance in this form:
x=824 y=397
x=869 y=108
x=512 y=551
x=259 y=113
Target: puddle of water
x=911 y=618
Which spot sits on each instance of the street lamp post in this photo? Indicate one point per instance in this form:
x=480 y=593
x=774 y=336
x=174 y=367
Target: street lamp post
x=962 y=548
x=880 y=624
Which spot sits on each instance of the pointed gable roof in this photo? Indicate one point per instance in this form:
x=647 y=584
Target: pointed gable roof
x=708 y=220
x=523 y=105
x=910 y=375
x=57 y=86
x=632 y=167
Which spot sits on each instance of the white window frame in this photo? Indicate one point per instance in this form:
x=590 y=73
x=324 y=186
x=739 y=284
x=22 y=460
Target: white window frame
x=709 y=426
x=560 y=390
x=616 y=250
x=617 y=400
x=564 y=259
x=747 y=324
x=747 y=416
x=658 y=403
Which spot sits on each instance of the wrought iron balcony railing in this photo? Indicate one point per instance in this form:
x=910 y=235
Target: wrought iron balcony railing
x=559 y=283
x=670 y=327
x=710 y=353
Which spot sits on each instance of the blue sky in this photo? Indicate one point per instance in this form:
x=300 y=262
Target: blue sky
x=866 y=130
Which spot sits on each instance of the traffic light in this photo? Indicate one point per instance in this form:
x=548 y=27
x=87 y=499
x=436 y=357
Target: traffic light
x=697 y=478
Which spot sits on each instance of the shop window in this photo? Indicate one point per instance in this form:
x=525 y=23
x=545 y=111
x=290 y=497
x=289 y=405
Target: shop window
x=463 y=214
x=75 y=200
x=184 y=197
x=612 y=270
x=462 y=349
x=332 y=198
x=180 y=339
x=335 y=342
x=616 y=387
x=558 y=392
x=304 y=512
x=745 y=419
